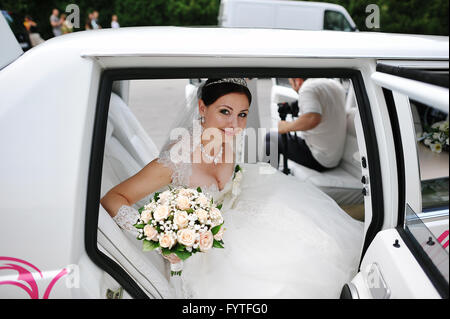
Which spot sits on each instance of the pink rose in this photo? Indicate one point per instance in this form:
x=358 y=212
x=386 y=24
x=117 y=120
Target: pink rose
x=206 y=241
x=146 y=216
x=219 y=235
x=216 y=216
x=185 y=192
x=186 y=237
x=202 y=200
x=150 y=232
x=181 y=219
x=166 y=241
x=164 y=196
x=161 y=212
x=183 y=203
x=202 y=215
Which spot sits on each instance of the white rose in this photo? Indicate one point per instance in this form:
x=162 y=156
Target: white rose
x=427 y=141
x=216 y=216
x=181 y=219
x=219 y=235
x=186 y=237
x=202 y=215
x=206 y=241
x=150 y=232
x=146 y=216
x=164 y=196
x=185 y=192
x=202 y=200
x=183 y=203
x=166 y=240
x=161 y=212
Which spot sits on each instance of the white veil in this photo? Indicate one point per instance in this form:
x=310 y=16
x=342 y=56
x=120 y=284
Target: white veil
x=187 y=118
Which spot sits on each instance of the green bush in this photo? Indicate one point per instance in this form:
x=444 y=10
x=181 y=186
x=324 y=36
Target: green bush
x=399 y=16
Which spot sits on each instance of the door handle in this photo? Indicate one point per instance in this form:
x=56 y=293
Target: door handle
x=376 y=283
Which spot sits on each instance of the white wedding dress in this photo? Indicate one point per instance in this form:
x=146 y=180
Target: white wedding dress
x=284 y=239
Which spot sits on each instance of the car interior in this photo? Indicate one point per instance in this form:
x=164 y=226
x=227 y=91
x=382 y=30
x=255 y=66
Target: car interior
x=129 y=147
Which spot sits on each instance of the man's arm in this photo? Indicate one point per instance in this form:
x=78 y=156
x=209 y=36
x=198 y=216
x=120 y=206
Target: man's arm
x=305 y=122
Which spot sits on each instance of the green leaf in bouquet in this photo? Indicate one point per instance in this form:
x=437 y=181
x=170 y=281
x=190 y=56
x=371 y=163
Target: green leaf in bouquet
x=189 y=210
x=183 y=255
x=216 y=229
x=139 y=226
x=140 y=210
x=149 y=245
x=156 y=196
x=199 y=189
x=217 y=244
x=166 y=251
x=220 y=206
x=179 y=247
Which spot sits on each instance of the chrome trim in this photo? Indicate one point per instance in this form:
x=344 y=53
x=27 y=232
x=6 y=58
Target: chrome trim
x=238 y=55
x=434 y=214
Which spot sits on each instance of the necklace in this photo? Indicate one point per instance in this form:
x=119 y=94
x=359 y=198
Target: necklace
x=214 y=159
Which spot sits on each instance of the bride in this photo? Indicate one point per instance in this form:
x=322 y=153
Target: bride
x=283 y=238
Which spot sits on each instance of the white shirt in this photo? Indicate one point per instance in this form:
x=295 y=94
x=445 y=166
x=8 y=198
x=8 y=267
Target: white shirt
x=115 y=24
x=326 y=97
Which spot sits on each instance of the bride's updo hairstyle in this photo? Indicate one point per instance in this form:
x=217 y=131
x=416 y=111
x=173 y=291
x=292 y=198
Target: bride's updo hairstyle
x=213 y=89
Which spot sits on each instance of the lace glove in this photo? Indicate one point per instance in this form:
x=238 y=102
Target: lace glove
x=126 y=217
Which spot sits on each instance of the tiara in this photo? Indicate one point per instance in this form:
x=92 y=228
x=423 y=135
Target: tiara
x=238 y=81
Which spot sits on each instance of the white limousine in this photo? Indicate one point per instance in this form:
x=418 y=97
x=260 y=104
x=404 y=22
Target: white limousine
x=70 y=130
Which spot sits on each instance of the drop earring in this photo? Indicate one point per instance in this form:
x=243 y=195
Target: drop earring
x=202 y=119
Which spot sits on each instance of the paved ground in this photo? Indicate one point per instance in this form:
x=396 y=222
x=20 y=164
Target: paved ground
x=157 y=103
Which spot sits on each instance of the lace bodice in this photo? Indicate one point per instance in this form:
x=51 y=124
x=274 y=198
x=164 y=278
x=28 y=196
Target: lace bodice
x=181 y=176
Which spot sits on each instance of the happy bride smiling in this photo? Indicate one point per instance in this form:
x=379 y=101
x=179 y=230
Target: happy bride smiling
x=284 y=238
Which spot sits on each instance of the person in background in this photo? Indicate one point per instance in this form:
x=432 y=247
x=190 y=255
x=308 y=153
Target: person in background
x=114 y=22
x=56 y=22
x=31 y=26
x=321 y=124
x=88 y=25
x=94 y=21
x=66 y=26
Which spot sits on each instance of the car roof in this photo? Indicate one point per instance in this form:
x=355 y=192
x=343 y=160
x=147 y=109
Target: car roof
x=246 y=42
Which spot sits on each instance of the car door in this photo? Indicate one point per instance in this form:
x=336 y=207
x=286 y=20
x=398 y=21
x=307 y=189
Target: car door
x=411 y=260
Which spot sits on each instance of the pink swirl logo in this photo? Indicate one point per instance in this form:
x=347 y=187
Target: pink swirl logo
x=25 y=278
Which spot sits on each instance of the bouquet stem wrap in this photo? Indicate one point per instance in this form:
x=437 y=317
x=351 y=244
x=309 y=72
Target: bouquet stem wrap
x=176 y=269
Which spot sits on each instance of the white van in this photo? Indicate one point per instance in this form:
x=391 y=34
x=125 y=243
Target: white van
x=274 y=14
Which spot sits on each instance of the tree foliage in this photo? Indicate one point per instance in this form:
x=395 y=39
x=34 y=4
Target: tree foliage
x=402 y=16
x=399 y=16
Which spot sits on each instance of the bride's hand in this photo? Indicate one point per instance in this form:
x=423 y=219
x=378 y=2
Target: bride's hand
x=172 y=258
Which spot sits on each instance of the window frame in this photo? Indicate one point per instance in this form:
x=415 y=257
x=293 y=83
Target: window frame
x=426 y=263
x=107 y=78
x=344 y=19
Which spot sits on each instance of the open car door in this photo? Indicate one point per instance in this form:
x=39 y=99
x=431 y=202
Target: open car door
x=411 y=260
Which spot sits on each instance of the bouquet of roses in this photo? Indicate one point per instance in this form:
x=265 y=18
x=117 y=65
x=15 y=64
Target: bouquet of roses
x=180 y=221
x=436 y=137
